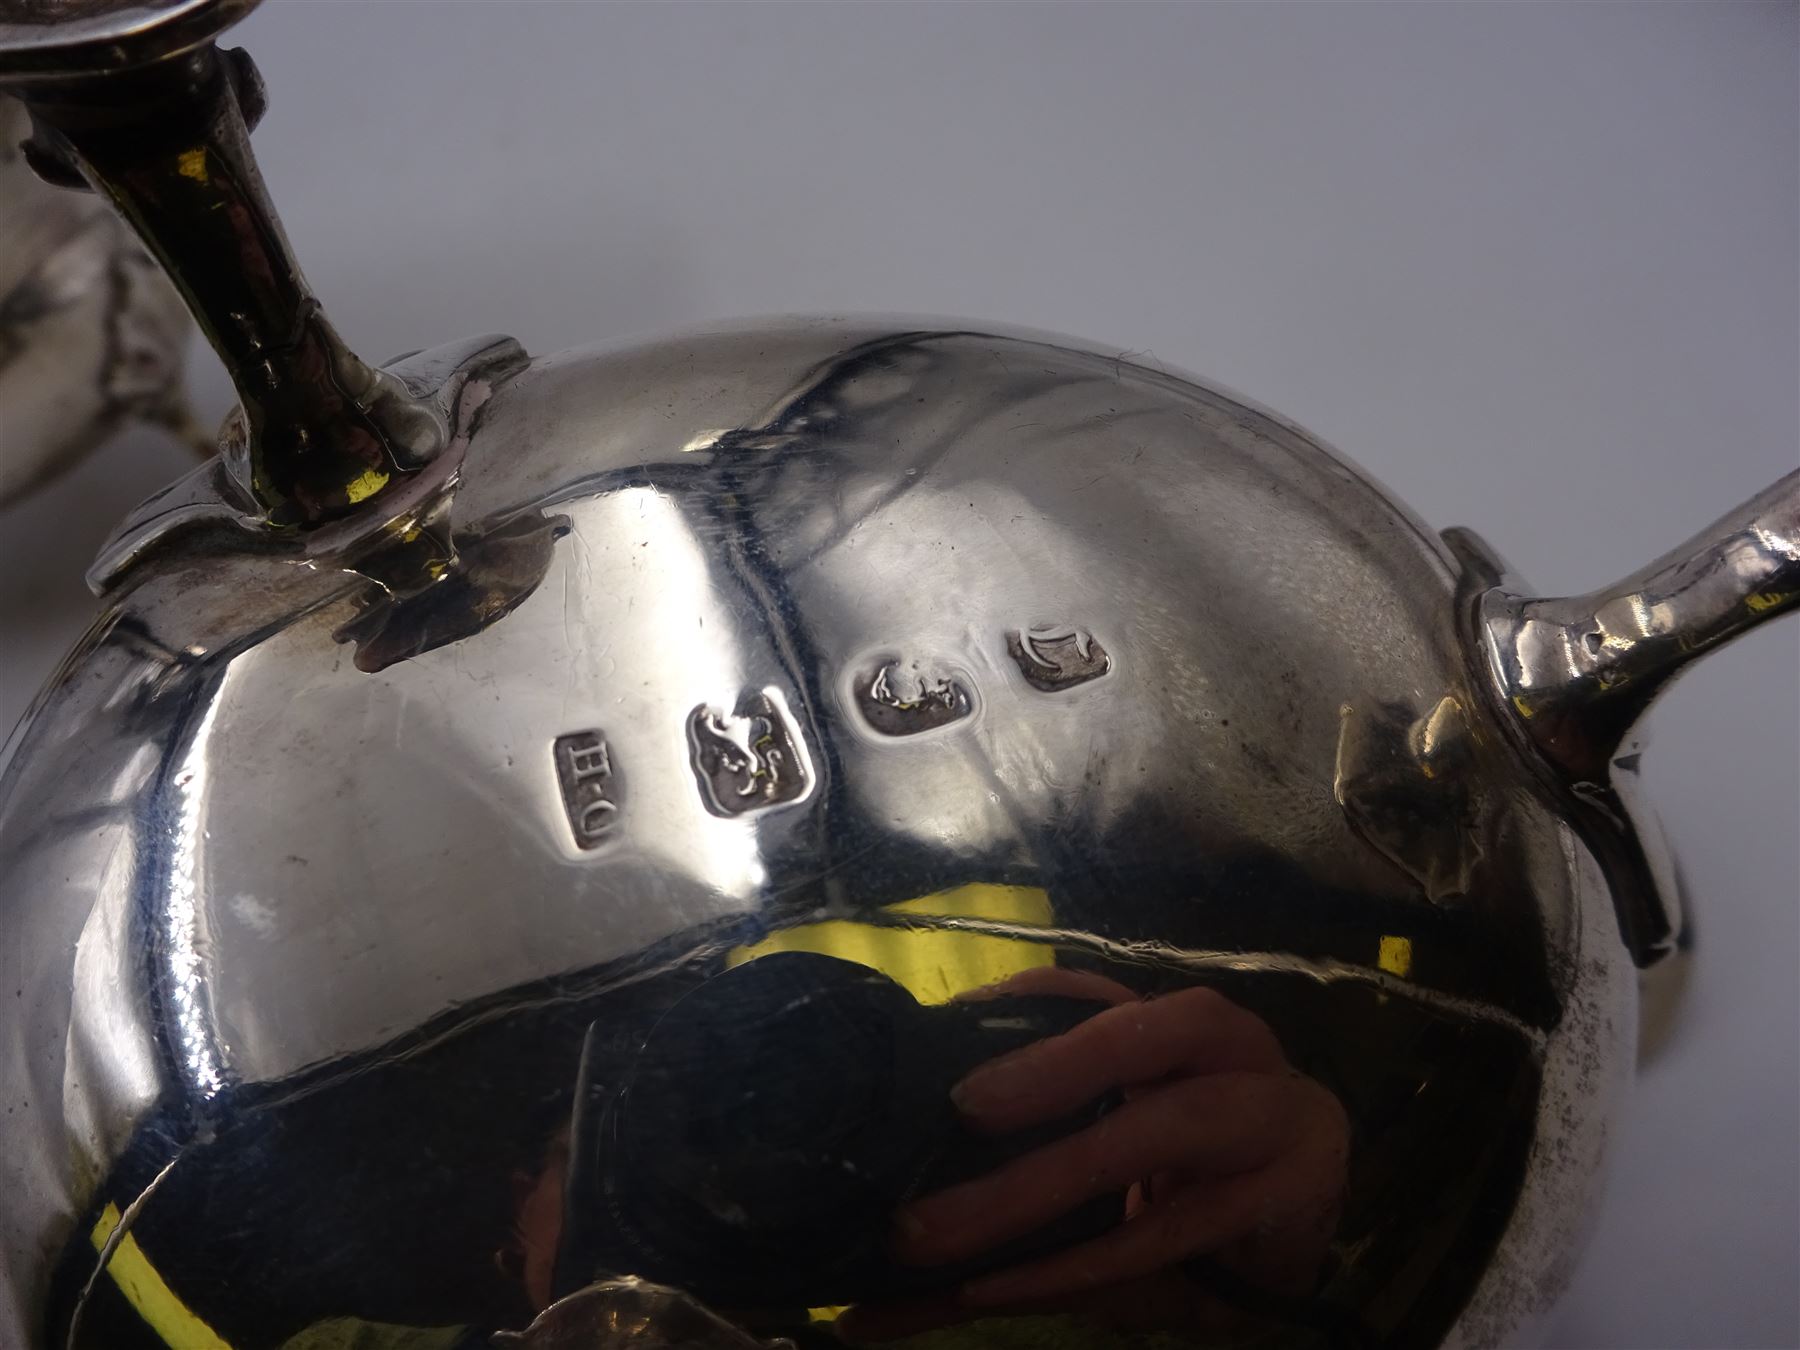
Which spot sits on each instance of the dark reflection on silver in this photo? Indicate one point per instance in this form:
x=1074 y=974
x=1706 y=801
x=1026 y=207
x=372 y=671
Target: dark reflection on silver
x=1406 y=784
x=431 y=591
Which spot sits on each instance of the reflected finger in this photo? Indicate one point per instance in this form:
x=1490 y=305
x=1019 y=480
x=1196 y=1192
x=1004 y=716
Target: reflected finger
x=1194 y=1031
x=1192 y=1220
x=1222 y=1123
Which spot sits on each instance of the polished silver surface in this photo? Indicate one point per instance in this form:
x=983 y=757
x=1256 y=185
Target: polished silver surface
x=92 y=335
x=333 y=928
x=52 y=39
x=1580 y=670
x=1576 y=674
x=800 y=831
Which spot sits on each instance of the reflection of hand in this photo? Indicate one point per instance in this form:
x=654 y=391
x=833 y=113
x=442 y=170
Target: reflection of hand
x=1221 y=1148
x=529 y=1255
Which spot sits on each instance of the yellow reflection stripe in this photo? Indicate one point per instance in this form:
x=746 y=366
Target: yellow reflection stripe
x=933 y=966
x=145 y=1291
x=1395 y=956
x=365 y=485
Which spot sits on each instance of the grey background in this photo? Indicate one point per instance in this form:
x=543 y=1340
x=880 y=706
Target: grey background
x=1537 y=267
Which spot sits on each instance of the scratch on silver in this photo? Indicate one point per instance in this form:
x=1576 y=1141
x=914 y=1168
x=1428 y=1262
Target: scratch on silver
x=1189 y=959
x=114 y=1240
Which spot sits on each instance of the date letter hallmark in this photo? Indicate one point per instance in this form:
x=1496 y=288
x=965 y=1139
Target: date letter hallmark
x=1054 y=657
x=590 y=791
x=750 y=760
